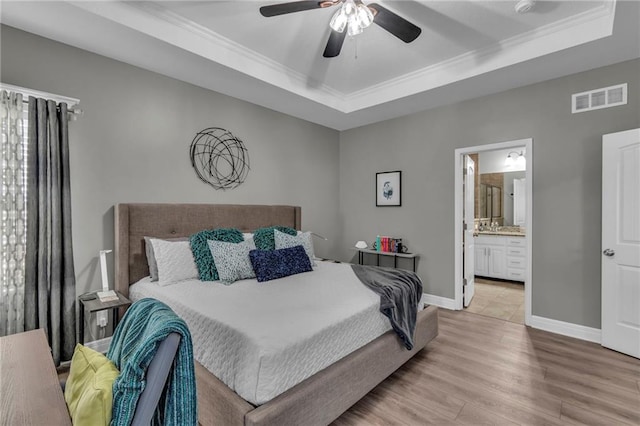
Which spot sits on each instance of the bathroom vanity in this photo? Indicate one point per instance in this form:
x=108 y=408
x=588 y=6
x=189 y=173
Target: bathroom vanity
x=501 y=254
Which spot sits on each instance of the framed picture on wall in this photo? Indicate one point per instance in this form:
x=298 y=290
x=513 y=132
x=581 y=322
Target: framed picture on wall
x=388 y=189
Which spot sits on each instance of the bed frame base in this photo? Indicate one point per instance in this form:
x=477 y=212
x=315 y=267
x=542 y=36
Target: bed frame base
x=321 y=398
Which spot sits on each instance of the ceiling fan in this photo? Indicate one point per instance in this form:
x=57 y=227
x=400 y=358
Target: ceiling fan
x=352 y=17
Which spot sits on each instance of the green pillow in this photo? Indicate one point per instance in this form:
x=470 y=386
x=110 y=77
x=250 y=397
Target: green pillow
x=202 y=254
x=89 y=388
x=264 y=238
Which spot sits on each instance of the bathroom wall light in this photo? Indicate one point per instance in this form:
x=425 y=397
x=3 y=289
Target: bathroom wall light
x=514 y=158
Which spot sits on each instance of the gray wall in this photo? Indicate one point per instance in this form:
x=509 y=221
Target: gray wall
x=132 y=144
x=566 y=182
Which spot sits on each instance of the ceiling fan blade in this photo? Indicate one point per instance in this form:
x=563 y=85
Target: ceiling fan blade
x=291 y=7
x=334 y=44
x=396 y=25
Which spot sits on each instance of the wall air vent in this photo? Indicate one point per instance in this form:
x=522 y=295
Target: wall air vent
x=599 y=98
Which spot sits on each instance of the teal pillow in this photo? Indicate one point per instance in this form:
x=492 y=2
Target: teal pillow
x=202 y=254
x=265 y=239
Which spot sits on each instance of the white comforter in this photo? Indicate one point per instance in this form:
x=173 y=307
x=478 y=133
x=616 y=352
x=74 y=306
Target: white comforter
x=261 y=339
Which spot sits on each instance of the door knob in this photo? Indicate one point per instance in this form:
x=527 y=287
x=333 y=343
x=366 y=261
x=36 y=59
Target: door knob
x=608 y=252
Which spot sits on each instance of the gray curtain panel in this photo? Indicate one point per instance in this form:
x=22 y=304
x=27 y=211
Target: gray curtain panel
x=50 y=288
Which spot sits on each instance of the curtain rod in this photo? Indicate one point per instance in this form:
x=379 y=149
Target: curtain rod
x=71 y=102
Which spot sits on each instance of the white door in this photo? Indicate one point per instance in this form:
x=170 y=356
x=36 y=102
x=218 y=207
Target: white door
x=621 y=242
x=469 y=215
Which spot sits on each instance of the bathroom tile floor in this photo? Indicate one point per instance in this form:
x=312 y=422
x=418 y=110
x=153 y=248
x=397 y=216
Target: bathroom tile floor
x=498 y=299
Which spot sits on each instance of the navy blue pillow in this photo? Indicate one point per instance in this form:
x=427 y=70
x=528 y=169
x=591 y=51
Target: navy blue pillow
x=271 y=264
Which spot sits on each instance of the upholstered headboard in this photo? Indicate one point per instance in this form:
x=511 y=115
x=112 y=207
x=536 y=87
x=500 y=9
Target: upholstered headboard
x=135 y=221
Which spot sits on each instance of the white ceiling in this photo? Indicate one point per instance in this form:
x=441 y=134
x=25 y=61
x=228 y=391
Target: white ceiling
x=466 y=49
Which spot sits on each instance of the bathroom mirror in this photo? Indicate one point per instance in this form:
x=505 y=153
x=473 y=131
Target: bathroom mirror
x=494 y=197
x=494 y=189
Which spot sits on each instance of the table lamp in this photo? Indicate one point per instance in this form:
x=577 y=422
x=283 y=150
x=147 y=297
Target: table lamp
x=361 y=244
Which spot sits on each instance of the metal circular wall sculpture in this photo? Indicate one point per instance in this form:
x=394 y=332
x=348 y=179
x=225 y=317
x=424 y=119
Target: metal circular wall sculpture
x=219 y=158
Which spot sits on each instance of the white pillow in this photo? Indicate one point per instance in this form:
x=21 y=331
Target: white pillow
x=151 y=259
x=232 y=260
x=303 y=239
x=175 y=261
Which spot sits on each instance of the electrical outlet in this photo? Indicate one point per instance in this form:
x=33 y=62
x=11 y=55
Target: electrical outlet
x=102 y=318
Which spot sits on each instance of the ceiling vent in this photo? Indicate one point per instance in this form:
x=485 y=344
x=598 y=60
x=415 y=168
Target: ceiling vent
x=599 y=98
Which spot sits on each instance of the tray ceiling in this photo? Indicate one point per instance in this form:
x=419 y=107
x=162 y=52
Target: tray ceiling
x=466 y=49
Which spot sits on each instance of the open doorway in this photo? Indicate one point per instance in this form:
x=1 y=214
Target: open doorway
x=493 y=229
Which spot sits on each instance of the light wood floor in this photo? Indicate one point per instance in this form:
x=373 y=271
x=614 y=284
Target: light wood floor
x=482 y=370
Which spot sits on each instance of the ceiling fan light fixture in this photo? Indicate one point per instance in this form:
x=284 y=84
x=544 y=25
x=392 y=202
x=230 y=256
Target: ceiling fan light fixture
x=354 y=17
x=339 y=20
x=349 y=7
x=350 y=15
x=364 y=16
x=353 y=29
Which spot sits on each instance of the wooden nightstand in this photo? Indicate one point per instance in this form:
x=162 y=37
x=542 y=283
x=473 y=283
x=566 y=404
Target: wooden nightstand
x=91 y=305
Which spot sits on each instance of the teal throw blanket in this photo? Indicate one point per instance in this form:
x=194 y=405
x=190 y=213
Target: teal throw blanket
x=136 y=339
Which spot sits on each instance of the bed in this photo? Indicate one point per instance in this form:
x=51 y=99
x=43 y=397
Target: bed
x=312 y=401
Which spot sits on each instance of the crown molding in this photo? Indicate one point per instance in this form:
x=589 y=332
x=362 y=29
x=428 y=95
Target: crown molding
x=157 y=22
x=153 y=20
x=582 y=28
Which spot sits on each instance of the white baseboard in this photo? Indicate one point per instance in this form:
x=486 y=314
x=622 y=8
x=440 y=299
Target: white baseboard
x=442 y=302
x=567 y=329
x=101 y=345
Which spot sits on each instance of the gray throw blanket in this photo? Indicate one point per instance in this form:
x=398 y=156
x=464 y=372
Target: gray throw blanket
x=400 y=292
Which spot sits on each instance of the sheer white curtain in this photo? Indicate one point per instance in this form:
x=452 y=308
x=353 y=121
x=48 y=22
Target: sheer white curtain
x=12 y=213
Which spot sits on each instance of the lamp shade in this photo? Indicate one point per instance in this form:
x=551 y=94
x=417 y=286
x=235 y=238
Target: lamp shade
x=361 y=244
